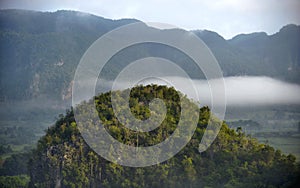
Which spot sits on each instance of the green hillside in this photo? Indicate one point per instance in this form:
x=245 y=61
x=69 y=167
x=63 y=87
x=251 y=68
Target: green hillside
x=62 y=157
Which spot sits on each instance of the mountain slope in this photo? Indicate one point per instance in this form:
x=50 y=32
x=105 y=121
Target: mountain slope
x=276 y=55
x=64 y=159
x=230 y=58
x=39 y=52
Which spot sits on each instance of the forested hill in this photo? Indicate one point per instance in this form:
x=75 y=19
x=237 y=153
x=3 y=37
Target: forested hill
x=63 y=158
x=39 y=52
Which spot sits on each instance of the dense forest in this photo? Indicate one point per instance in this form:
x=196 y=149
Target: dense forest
x=62 y=158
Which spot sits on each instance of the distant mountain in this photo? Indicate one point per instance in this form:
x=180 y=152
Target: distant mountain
x=276 y=55
x=39 y=52
x=231 y=60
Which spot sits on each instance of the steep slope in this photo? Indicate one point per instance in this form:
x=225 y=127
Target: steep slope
x=230 y=58
x=276 y=55
x=39 y=51
x=63 y=158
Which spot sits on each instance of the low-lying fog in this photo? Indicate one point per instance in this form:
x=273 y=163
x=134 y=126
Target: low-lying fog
x=240 y=91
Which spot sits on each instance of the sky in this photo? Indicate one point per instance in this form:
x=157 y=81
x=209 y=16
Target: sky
x=226 y=17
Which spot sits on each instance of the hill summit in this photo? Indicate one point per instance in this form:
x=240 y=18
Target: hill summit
x=64 y=159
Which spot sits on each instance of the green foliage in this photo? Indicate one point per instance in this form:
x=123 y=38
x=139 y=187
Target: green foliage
x=20 y=181
x=15 y=164
x=62 y=158
x=5 y=149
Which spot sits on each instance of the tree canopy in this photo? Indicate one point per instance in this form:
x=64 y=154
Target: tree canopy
x=63 y=158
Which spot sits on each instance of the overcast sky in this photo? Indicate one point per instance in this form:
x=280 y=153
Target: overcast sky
x=227 y=17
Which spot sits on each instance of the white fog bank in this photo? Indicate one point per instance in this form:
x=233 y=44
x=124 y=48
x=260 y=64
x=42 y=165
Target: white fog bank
x=260 y=91
x=240 y=91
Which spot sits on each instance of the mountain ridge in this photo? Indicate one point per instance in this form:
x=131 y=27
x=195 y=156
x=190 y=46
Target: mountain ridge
x=39 y=51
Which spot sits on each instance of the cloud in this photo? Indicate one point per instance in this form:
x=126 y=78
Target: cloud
x=240 y=91
x=260 y=91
